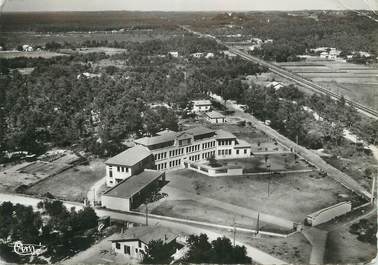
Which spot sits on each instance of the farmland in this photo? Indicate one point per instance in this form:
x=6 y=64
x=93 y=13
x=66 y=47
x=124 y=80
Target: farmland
x=356 y=82
x=34 y=54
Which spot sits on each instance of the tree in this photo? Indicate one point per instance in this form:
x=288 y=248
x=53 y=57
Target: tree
x=158 y=252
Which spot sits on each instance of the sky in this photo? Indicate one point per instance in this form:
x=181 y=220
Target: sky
x=183 y=5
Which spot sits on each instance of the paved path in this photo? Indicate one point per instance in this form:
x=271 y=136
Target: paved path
x=318 y=240
x=307 y=154
x=256 y=254
x=275 y=220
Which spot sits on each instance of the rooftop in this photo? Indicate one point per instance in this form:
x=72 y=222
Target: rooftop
x=202 y=102
x=147 y=234
x=242 y=143
x=214 y=115
x=130 y=186
x=130 y=156
x=221 y=134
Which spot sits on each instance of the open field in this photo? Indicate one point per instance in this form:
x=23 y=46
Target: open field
x=290 y=196
x=33 y=54
x=344 y=247
x=106 y=50
x=72 y=184
x=356 y=82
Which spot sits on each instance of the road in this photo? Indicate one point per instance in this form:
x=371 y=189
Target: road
x=256 y=254
x=372 y=113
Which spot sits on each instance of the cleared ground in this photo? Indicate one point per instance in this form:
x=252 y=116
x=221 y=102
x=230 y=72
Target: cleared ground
x=34 y=54
x=72 y=184
x=290 y=196
x=356 y=82
x=344 y=247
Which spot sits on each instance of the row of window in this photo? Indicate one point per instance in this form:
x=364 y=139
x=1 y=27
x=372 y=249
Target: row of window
x=176 y=152
x=208 y=145
x=208 y=154
x=161 y=166
x=175 y=163
x=127 y=249
x=237 y=151
x=224 y=142
x=122 y=169
x=194 y=158
x=193 y=148
x=160 y=156
x=224 y=152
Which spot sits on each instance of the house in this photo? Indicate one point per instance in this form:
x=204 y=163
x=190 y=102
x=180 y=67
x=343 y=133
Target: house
x=229 y=54
x=126 y=164
x=201 y=105
x=27 y=48
x=133 y=191
x=174 y=54
x=215 y=117
x=134 y=243
x=197 y=55
x=324 y=55
x=228 y=146
x=209 y=55
x=276 y=85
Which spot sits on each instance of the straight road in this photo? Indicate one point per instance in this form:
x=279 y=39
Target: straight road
x=372 y=113
x=256 y=254
x=308 y=155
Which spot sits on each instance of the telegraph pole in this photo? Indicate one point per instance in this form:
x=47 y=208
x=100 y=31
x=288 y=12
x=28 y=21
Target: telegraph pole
x=146 y=214
x=372 y=190
x=234 y=231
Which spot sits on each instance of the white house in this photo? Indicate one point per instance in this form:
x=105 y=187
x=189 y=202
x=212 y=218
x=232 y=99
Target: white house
x=276 y=85
x=201 y=105
x=197 y=55
x=126 y=164
x=215 y=117
x=27 y=48
x=134 y=243
x=174 y=54
x=209 y=55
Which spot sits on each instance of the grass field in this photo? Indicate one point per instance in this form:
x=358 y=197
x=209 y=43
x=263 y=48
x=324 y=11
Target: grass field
x=34 y=54
x=356 y=82
x=344 y=247
x=72 y=184
x=291 y=196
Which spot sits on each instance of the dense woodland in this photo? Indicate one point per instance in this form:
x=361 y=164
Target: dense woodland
x=62 y=231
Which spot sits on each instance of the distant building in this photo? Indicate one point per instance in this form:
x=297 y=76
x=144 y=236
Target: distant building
x=128 y=163
x=198 y=55
x=229 y=54
x=174 y=54
x=134 y=243
x=209 y=55
x=133 y=191
x=215 y=117
x=276 y=85
x=201 y=105
x=27 y=48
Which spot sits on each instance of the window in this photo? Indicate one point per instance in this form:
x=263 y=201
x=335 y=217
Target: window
x=118 y=168
x=237 y=152
x=110 y=172
x=126 y=249
x=245 y=151
x=118 y=245
x=139 y=244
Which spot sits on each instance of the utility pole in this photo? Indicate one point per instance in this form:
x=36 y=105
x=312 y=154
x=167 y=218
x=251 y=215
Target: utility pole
x=146 y=214
x=296 y=139
x=234 y=231
x=258 y=224
x=94 y=197
x=372 y=191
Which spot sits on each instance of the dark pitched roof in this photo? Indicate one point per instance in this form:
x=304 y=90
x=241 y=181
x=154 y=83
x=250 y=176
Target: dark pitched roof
x=130 y=186
x=130 y=157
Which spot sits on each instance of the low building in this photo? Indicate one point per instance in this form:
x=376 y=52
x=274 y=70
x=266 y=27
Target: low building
x=209 y=55
x=328 y=213
x=276 y=85
x=174 y=54
x=215 y=117
x=198 y=55
x=201 y=105
x=27 y=48
x=128 y=163
x=134 y=243
x=133 y=191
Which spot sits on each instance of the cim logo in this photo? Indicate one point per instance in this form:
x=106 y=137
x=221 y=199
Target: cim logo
x=28 y=249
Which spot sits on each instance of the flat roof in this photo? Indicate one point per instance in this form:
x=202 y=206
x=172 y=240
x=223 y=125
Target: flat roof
x=242 y=144
x=130 y=156
x=147 y=234
x=202 y=102
x=200 y=130
x=222 y=134
x=314 y=214
x=130 y=186
x=214 y=115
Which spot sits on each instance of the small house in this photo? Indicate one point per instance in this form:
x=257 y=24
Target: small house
x=201 y=105
x=215 y=117
x=174 y=54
